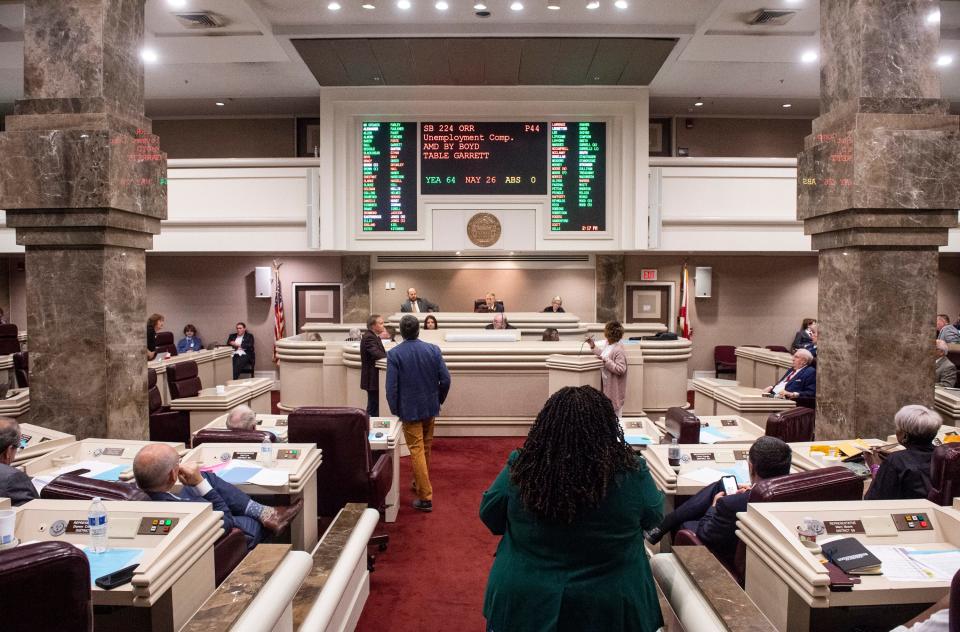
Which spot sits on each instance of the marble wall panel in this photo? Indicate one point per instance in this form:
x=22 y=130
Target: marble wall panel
x=355 y=276
x=610 y=287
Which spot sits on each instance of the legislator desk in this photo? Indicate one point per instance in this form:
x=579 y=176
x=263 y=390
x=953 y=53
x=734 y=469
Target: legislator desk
x=36 y=441
x=760 y=367
x=107 y=459
x=700 y=465
x=816 y=455
x=214 y=366
x=208 y=405
x=16 y=403
x=176 y=566
x=724 y=429
x=640 y=432
x=947 y=403
x=719 y=397
x=791 y=586
x=297 y=465
x=391 y=439
x=943 y=434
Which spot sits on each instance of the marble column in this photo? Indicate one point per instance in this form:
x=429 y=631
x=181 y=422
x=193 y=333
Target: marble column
x=84 y=184
x=610 y=287
x=878 y=186
x=355 y=277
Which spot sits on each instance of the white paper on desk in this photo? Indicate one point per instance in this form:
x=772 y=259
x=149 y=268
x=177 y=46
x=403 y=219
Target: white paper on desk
x=712 y=435
x=897 y=565
x=95 y=467
x=705 y=475
x=943 y=563
x=270 y=478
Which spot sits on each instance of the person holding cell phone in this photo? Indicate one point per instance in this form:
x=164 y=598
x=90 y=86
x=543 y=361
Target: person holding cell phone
x=712 y=512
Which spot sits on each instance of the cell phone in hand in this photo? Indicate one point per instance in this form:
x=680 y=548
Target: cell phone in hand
x=729 y=485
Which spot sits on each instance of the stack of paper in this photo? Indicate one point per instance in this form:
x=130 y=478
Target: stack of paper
x=908 y=564
x=243 y=472
x=712 y=435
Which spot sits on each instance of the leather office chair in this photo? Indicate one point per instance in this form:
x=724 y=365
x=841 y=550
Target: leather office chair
x=797 y=424
x=225 y=435
x=944 y=474
x=8 y=340
x=830 y=483
x=228 y=551
x=682 y=424
x=46 y=586
x=954 y=620
x=777 y=348
x=725 y=359
x=165 y=424
x=350 y=471
x=21 y=368
x=165 y=343
x=250 y=367
x=183 y=380
x=479 y=306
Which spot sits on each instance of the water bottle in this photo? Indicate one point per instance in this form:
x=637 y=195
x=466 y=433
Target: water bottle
x=266 y=452
x=97 y=519
x=673 y=453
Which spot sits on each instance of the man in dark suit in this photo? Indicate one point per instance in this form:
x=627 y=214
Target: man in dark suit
x=14 y=484
x=499 y=322
x=712 y=514
x=157 y=469
x=244 y=356
x=371 y=350
x=800 y=382
x=555 y=306
x=417 y=384
x=417 y=305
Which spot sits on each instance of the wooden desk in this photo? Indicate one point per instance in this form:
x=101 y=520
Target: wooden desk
x=103 y=451
x=214 y=366
x=16 y=403
x=791 y=586
x=642 y=428
x=36 y=442
x=760 y=368
x=300 y=462
x=207 y=406
x=724 y=429
x=807 y=461
x=176 y=572
x=717 y=397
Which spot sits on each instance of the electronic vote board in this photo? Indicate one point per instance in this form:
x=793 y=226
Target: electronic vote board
x=563 y=161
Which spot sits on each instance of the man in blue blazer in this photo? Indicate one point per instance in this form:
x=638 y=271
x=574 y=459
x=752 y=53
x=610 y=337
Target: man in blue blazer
x=417 y=384
x=800 y=382
x=157 y=469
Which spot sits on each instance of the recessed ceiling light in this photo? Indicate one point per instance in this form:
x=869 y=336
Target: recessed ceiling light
x=516 y=5
x=944 y=60
x=479 y=7
x=621 y=4
x=698 y=104
x=149 y=55
x=458 y=253
x=403 y=4
x=84 y=135
x=553 y=5
x=809 y=56
x=369 y=6
x=441 y=5
x=593 y=4
x=933 y=17
x=219 y=104
x=334 y=6
x=787 y=105
x=177 y=4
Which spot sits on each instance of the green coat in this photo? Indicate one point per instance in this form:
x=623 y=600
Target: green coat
x=592 y=575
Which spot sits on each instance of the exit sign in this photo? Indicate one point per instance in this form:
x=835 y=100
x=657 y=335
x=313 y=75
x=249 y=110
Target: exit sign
x=648 y=275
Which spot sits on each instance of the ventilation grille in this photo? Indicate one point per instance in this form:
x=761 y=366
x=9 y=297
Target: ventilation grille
x=771 y=17
x=200 y=20
x=480 y=257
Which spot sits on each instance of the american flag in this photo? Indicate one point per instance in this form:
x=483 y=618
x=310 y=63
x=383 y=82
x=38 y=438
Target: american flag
x=279 y=325
x=686 y=331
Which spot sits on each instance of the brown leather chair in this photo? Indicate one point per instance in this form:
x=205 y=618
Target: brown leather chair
x=225 y=435
x=480 y=306
x=777 y=348
x=796 y=424
x=682 y=424
x=830 y=483
x=8 y=340
x=165 y=424
x=45 y=586
x=944 y=474
x=228 y=551
x=725 y=359
x=954 y=619
x=165 y=343
x=21 y=368
x=183 y=380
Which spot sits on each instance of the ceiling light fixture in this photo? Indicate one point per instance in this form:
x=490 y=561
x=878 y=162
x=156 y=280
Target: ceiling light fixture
x=698 y=104
x=593 y=4
x=149 y=55
x=479 y=7
x=553 y=5
x=177 y=4
x=933 y=17
x=441 y=5
x=334 y=6
x=403 y=4
x=219 y=104
x=621 y=4
x=787 y=105
x=516 y=5
x=944 y=60
x=369 y=6
x=809 y=56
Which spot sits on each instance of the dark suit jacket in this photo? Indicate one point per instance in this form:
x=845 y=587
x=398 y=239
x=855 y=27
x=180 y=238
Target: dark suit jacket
x=549 y=308
x=16 y=486
x=247 y=345
x=417 y=380
x=804 y=383
x=213 y=497
x=481 y=308
x=903 y=474
x=718 y=526
x=371 y=350
x=509 y=326
x=425 y=305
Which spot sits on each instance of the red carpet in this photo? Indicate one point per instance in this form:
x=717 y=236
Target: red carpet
x=432 y=576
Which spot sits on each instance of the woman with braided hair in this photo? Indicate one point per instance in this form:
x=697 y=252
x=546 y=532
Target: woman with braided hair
x=572 y=505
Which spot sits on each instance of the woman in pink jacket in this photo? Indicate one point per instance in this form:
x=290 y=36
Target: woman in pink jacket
x=613 y=375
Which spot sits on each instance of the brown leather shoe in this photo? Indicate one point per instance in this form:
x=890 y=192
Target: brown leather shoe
x=277 y=519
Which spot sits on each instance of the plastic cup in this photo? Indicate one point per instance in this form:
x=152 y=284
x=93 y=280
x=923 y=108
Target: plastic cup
x=7 y=522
